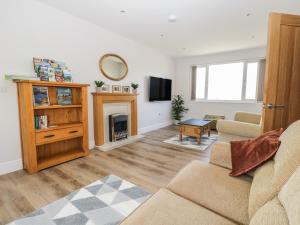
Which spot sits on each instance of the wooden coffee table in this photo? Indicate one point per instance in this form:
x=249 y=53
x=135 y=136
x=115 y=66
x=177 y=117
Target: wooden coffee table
x=194 y=128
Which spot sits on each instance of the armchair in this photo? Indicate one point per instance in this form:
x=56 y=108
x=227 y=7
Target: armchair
x=244 y=126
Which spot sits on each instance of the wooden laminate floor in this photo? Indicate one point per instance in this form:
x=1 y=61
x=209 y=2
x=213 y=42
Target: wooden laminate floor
x=149 y=163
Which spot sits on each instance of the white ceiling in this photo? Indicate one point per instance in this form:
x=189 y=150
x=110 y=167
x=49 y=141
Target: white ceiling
x=203 y=26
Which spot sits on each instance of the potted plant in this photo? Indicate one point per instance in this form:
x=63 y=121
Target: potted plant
x=99 y=85
x=178 y=108
x=134 y=87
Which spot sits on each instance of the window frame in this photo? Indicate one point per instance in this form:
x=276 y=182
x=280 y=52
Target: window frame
x=244 y=84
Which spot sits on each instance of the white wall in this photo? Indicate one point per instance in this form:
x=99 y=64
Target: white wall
x=199 y=109
x=29 y=28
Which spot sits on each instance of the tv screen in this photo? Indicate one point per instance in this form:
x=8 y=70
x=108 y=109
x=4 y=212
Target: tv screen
x=160 y=89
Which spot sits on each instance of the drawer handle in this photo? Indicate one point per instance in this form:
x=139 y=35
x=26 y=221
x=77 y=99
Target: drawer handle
x=49 y=136
x=73 y=131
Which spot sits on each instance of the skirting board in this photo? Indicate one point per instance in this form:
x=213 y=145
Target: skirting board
x=155 y=127
x=10 y=166
x=112 y=145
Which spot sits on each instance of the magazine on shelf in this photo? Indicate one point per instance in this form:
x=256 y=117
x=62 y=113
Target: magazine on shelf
x=52 y=70
x=64 y=96
x=40 y=96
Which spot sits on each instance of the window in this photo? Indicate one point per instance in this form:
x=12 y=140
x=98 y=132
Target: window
x=251 y=81
x=200 y=82
x=236 y=81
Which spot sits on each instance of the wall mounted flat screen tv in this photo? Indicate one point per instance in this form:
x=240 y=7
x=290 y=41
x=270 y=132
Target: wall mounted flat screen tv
x=160 y=89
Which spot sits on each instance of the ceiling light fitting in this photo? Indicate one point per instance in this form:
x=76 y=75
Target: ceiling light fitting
x=172 y=18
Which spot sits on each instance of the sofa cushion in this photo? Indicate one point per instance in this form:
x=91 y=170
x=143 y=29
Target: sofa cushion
x=237 y=128
x=261 y=188
x=167 y=208
x=210 y=186
x=289 y=197
x=287 y=159
x=247 y=117
x=271 y=176
x=272 y=213
x=221 y=155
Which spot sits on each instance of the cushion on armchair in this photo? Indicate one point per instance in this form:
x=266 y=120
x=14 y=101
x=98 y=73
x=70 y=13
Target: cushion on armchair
x=238 y=128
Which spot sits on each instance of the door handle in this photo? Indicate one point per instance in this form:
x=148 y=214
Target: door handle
x=271 y=106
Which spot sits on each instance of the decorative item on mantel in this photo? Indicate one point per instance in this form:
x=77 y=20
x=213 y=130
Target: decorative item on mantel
x=134 y=87
x=99 y=85
x=178 y=108
x=126 y=89
x=116 y=89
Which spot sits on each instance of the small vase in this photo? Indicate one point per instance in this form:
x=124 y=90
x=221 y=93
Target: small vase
x=98 y=89
x=134 y=91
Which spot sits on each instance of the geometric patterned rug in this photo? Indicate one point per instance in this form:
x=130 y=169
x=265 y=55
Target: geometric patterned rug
x=191 y=142
x=105 y=202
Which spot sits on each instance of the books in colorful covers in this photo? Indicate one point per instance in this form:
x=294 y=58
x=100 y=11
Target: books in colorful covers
x=59 y=75
x=64 y=96
x=52 y=70
x=40 y=96
x=41 y=122
x=67 y=76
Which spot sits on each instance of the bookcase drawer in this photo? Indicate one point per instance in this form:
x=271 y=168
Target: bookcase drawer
x=46 y=137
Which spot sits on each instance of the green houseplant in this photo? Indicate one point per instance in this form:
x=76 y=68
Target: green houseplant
x=178 y=108
x=134 y=87
x=99 y=85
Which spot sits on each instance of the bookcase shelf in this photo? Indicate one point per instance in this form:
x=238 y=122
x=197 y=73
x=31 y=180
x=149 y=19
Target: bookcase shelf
x=59 y=158
x=56 y=127
x=66 y=137
x=56 y=107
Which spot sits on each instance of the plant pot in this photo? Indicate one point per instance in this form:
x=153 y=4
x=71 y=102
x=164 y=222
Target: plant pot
x=176 y=122
x=98 y=89
x=134 y=91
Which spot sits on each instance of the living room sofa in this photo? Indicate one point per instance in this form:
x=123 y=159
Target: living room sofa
x=244 y=126
x=204 y=194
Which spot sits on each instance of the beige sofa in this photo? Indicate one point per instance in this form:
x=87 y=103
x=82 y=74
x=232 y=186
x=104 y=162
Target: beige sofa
x=244 y=126
x=204 y=193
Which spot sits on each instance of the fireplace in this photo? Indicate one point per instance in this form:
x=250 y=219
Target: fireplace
x=118 y=127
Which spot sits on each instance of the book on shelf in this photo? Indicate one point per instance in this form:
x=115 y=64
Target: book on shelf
x=67 y=75
x=51 y=70
x=40 y=96
x=41 y=122
x=64 y=96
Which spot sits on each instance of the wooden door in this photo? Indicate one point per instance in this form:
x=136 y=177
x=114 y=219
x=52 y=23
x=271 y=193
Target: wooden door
x=282 y=84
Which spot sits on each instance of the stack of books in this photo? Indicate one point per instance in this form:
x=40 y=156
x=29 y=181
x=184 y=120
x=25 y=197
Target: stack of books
x=52 y=70
x=40 y=122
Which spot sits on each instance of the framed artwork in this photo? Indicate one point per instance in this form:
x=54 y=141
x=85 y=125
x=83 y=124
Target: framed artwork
x=105 y=88
x=116 y=88
x=126 y=89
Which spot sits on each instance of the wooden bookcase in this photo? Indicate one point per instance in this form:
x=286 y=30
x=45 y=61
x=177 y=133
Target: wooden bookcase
x=67 y=135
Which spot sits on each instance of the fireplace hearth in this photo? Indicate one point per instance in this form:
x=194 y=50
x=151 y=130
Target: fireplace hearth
x=118 y=127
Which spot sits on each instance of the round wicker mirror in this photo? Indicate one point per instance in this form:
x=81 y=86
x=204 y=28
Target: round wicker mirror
x=113 y=67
